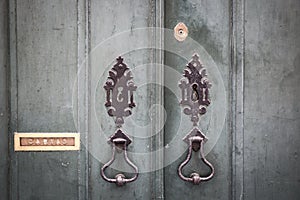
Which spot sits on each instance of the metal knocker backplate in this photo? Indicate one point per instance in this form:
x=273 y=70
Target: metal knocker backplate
x=119 y=102
x=195 y=99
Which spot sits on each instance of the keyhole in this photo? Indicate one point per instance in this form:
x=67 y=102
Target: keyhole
x=195 y=95
x=180 y=31
x=119 y=95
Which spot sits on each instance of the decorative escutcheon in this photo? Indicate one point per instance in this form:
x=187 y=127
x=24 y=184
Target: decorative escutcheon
x=119 y=101
x=181 y=31
x=195 y=99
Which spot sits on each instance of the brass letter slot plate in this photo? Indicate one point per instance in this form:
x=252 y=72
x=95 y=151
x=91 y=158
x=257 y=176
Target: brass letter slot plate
x=47 y=141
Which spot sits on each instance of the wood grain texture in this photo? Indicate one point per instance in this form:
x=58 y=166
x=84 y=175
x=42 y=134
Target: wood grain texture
x=237 y=97
x=125 y=16
x=255 y=44
x=208 y=23
x=44 y=51
x=272 y=78
x=4 y=99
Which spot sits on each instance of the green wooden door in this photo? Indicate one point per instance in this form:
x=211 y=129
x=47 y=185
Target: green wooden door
x=54 y=63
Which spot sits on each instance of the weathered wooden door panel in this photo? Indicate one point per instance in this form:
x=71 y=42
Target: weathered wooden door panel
x=271 y=101
x=113 y=33
x=44 y=62
x=52 y=74
x=4 y=99
x=208 y=24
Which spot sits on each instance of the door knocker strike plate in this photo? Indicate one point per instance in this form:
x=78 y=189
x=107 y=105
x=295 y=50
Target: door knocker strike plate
x=195 y=99
x=119 y=101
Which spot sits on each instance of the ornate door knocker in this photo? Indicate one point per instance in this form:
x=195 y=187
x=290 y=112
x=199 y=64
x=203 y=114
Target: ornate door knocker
x=119 y=101
x=195 y=99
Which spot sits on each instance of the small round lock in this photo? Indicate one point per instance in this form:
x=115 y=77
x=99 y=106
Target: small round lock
x=180 y=32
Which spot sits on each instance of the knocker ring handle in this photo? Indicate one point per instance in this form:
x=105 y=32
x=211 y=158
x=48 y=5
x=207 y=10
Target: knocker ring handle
x=195 y=99
x=195 y=177
x=119 y=179
x=119 y=101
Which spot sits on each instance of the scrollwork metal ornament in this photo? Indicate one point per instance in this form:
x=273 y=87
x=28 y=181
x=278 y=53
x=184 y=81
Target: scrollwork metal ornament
x=195 y=100
x=119 y=92
x=119 y=102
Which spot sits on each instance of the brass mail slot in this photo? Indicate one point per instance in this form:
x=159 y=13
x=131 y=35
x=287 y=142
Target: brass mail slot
x=47 y=141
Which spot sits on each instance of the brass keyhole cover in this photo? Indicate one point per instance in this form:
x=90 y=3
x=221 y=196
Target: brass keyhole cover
x=181 y=31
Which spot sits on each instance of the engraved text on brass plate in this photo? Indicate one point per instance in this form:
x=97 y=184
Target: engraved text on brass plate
x=46 y=141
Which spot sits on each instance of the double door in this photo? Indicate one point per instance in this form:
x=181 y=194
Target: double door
x=60 y=55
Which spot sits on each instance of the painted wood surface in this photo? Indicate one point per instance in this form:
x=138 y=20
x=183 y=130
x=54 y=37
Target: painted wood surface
x=4 y=67
x=44 y=64
x=255 y=45
x=263 y=94
x=271 y=100
x=51 y=79
x=208 y=23
x=115 y=24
